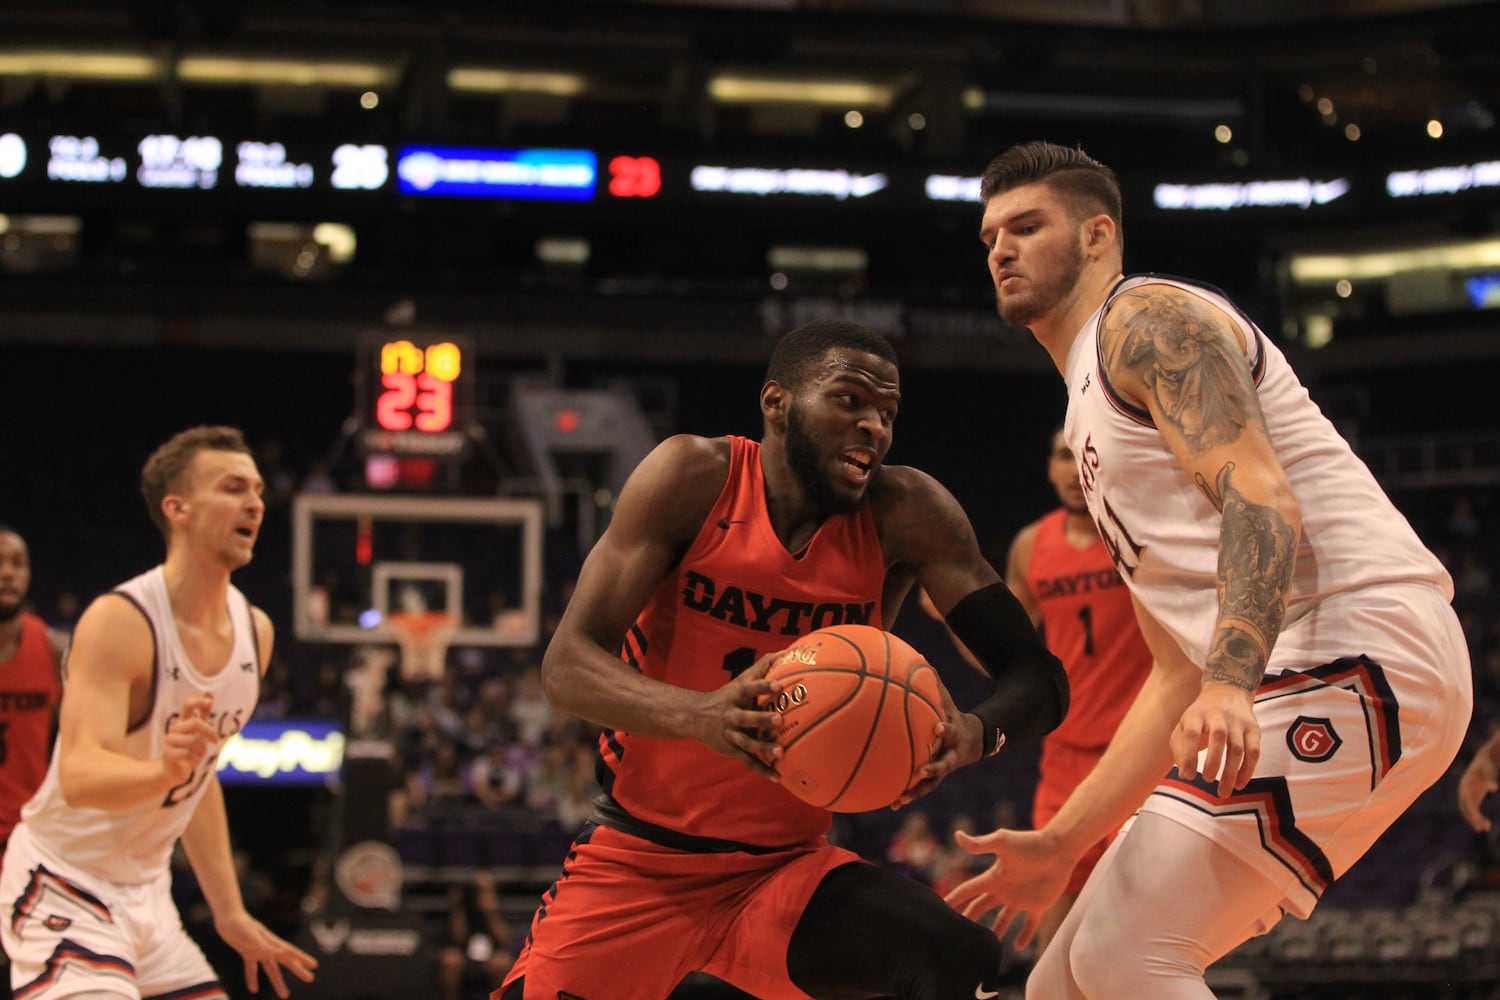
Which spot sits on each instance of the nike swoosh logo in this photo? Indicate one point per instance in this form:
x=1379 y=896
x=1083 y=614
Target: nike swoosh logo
x=980 y=993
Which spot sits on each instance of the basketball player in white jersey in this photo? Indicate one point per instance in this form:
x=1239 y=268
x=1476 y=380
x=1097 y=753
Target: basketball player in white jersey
x=1310 y=677
x=162 y=671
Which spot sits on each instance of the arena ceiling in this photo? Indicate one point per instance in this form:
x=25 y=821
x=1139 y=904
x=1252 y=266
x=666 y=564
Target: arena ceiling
x=1161 y=89
x=1149 y=79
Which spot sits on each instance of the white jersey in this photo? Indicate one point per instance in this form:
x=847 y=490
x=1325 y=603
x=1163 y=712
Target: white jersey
x=134 y=847
x=1164 y=533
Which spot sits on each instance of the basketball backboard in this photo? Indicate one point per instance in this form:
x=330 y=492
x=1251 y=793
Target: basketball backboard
x=358 y=560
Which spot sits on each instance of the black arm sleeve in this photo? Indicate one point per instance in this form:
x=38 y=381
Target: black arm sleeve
x=1031 y=688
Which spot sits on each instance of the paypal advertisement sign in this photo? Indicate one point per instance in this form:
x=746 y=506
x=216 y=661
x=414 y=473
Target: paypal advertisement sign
x=283 y=752
x=470 y=172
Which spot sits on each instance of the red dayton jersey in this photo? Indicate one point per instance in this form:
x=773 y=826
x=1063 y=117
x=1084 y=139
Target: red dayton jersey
x=1090 y=625
x=736 y=595
x=29 y=693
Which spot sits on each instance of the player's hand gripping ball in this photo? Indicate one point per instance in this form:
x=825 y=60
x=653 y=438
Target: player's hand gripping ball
x=860 y=710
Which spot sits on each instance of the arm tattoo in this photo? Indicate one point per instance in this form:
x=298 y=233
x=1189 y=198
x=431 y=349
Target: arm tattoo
x=1180 y=349
x=1255 y=572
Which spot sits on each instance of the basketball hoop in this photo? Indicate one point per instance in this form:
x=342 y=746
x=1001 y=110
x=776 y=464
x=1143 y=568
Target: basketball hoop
x=423 y=637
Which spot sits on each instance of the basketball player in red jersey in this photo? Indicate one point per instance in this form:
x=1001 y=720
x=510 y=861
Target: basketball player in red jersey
x=1063 y=575
x=31 y=656
x=720 y=553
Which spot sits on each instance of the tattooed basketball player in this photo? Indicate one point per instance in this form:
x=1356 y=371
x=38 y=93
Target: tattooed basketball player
x=1310 y=677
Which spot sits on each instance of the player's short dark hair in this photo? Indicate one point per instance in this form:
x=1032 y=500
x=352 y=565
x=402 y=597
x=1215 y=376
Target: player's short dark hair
x=163 y=471
x=801 y=349
x=1088 y=186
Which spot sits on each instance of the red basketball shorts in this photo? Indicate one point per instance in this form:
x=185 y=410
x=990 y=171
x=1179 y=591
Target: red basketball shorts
x=1063 y=767
x=627 y=919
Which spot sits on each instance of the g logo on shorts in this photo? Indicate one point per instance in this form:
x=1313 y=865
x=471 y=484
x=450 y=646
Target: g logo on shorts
x=1312 y=740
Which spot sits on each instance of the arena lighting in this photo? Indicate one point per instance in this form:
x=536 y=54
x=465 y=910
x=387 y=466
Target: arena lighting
x=563 y=251
x=338 y=238
x=841 y=260
x=946 y=187
x=1297 y=192
x=66 y=64
x=44 y=225
x=12 y=155
x=1093 y=105
x=729 y=89
x=1443 y=180
x=760 y=181
x=1309 y=269
x=479 y=80
x=285 y=72
x=1483 y=290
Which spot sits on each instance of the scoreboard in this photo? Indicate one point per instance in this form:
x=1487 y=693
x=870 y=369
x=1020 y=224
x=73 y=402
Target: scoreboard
x=328 y=178
x=415 y=396
x=35 y=163
x=212 y=165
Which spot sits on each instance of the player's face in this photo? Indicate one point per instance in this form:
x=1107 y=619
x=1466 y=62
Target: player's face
x=223 y=504
x=839 y=428
x=1035 y=252
x=15 y=574
x=1062 y=473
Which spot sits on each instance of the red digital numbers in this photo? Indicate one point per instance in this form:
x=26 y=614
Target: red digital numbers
x=431 y=397
x=418 y=386
x=634 y=177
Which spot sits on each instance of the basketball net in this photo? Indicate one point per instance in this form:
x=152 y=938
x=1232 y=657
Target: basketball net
x=423 y=637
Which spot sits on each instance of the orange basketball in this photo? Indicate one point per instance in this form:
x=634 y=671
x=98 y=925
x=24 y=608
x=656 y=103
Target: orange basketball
x=860 y=709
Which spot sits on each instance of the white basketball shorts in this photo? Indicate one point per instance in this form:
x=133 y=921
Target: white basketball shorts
x=1348 y=741
x=68 y=932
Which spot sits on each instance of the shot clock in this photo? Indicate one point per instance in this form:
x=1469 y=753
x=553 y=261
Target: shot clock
x=415 y=396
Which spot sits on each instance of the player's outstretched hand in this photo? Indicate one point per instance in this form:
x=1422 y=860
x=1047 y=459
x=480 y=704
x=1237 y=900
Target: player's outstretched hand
x=739 y=719
x=1222 y=721
x=263 y=950
x=1480 y=778
x=189 y=739
x=957 y=740
x=1027 y=876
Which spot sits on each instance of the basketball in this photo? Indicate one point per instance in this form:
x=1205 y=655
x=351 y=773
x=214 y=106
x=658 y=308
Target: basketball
x=860 y=707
